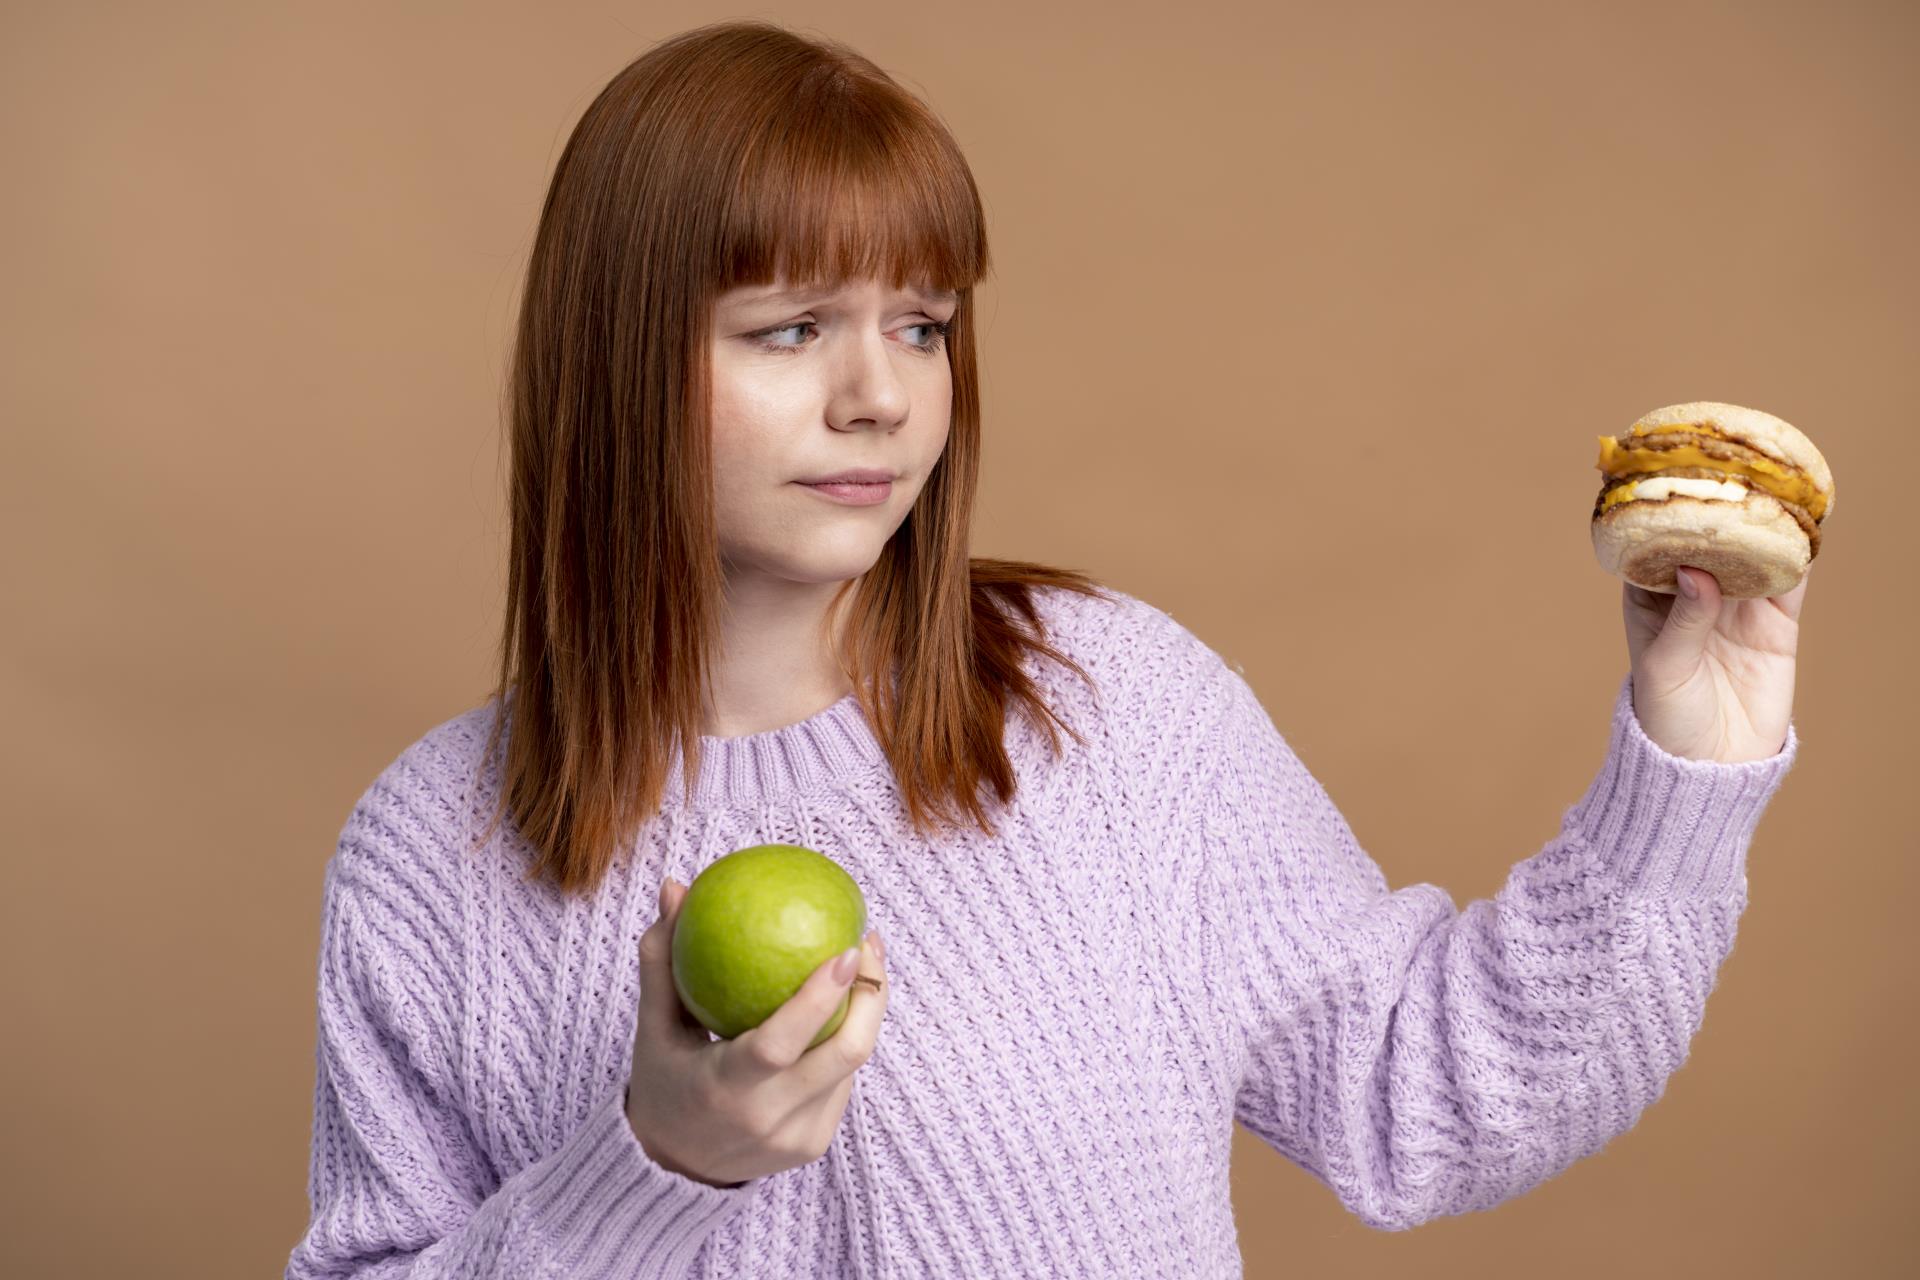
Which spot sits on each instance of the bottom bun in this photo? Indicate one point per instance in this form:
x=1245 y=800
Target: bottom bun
x=1752 y=548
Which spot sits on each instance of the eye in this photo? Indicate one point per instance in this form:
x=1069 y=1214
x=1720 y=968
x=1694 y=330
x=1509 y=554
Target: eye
x=938 y=338
x=935 y=342
x=762 y=336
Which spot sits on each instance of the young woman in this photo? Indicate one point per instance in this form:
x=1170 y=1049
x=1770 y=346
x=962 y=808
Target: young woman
x=754 y=272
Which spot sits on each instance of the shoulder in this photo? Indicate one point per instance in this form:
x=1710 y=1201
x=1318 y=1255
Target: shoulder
x=1116 y=624
x=404 y=834
x=1152 y=670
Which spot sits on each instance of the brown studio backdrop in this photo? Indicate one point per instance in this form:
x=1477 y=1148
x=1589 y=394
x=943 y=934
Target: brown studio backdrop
x=1303 y=325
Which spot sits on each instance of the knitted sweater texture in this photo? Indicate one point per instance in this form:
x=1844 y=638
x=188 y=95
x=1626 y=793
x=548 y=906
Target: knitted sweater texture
x=1174 y=931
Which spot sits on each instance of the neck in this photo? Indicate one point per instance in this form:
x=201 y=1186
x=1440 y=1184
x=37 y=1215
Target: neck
x=774 y=666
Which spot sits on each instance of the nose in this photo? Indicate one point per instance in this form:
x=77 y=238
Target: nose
x=868 y=389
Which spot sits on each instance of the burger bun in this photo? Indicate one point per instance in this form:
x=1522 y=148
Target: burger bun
x=1753 y=548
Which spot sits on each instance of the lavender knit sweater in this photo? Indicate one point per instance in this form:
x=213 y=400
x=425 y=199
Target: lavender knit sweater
x=1174 y=931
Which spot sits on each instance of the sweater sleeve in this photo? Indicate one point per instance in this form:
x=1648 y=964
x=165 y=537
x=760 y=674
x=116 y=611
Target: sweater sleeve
x=398 y=1184
x=1422 y=1061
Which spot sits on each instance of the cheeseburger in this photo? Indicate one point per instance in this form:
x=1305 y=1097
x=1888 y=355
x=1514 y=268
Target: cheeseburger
x=1733 y=491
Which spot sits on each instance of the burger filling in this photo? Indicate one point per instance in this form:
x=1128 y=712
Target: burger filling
x=1703 y=483
x=1667 y=486
x=1702 y=446
x=1700 y=450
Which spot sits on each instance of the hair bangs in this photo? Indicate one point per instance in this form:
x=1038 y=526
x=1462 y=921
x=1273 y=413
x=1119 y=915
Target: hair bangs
x=868 y=192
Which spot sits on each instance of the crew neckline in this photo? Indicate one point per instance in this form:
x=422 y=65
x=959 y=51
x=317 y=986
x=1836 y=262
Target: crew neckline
x=828 y=746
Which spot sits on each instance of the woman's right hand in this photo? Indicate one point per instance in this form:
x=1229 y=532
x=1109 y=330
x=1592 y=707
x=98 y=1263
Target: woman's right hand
x=723 y=1112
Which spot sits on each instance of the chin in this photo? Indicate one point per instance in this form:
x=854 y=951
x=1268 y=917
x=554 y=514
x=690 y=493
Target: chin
x=826 y=568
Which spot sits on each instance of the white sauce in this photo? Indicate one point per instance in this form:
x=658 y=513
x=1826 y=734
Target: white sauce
x=1688 y=487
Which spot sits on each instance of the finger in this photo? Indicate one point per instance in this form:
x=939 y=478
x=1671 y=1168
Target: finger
x=831 y=1062
x=777 y=1043
x=661 y=1013
x=1644 y=612
x=1657 y=602
x=1691 y=619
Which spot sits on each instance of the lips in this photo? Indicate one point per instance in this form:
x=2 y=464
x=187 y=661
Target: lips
x=858 y=475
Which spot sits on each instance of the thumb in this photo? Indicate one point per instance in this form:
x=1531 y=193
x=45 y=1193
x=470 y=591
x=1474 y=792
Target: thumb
x=660 y=1009
x=1696 y=608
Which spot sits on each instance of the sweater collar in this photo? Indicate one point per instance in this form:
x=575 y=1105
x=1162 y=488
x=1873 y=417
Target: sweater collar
x=831 y=745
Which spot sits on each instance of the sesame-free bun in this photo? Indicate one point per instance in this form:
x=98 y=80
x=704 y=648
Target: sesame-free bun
x=1753 y=548
x=1778 y=439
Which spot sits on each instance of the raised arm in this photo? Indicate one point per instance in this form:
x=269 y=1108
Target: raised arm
x=1422 y=1061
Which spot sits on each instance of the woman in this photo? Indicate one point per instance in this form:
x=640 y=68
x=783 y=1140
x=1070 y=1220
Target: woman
x=754 y=270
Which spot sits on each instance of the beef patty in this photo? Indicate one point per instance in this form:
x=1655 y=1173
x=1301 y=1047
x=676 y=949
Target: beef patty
x=1725 y=450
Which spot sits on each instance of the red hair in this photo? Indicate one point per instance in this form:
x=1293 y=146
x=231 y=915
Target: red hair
x=733 y=154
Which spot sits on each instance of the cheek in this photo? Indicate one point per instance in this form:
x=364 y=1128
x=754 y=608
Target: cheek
x=743 y=429
x=943 y=429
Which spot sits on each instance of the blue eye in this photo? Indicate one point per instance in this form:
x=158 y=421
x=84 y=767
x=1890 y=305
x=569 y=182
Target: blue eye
x=785 y=328
x=940 y=330
x=933 y=344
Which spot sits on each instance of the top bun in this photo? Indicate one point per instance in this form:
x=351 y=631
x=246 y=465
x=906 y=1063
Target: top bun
x=1775 y=437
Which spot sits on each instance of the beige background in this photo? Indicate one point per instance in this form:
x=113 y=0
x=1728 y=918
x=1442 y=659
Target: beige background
x=1254 y=265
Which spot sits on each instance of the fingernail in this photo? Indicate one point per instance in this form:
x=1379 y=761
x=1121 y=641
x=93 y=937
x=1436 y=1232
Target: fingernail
x=880 y=946
x=845 y=967
x=1687 y=587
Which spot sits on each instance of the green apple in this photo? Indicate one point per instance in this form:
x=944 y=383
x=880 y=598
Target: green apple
x=752 y=929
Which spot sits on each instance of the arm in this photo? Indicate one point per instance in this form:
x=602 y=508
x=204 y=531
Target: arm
x=1422 y=1061
x=398 y=1184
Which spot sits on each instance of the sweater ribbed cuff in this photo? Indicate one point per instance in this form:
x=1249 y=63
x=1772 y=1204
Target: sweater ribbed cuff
x=1670 y=827
x=611 y=1211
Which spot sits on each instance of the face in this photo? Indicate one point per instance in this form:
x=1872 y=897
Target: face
x=808 y=384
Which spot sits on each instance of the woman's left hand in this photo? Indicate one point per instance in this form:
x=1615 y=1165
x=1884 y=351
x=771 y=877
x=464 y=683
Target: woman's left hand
x=1713 y=678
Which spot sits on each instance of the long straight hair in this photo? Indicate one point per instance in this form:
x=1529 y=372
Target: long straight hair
x=733 y=154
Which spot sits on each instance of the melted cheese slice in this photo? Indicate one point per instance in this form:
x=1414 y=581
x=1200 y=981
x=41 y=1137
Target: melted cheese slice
x=1669 y=486
x=1765 y=474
